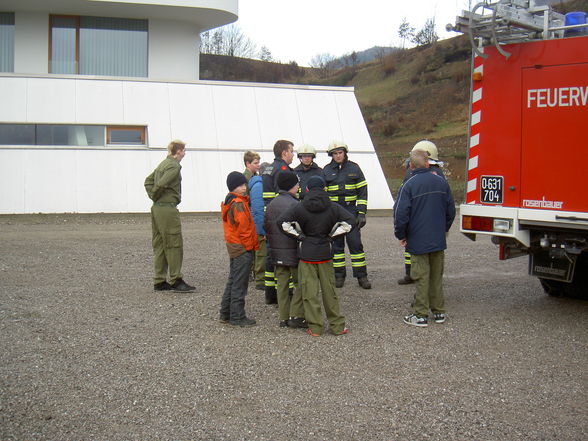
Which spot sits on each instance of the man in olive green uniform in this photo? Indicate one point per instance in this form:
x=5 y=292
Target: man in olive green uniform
x=164 y=187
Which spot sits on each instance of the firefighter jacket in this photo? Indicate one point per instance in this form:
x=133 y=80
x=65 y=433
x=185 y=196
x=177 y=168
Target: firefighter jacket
x=270 y=187
x=240 y=234
x=424 y=212
x=282 y=249
x=346 y=184
x=316 y=215
x=304 y=174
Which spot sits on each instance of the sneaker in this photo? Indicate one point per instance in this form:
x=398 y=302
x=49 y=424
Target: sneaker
x=298 y=322
x=364 y=282
x=162 y=286
x=406 y=280
x=182 y=286
x=339 y=282
x=343 y=332
x=312 y=334
x=415 y=320
x=440 y=317
x=223 y=319
x=283 y=323
x=244 y=322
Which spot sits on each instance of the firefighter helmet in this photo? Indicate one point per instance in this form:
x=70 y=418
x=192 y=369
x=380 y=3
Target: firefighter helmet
x=337 y=145
x=428 y=147
x=306 y=149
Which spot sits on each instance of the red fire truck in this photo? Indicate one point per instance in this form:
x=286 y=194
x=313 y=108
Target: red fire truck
x=527 y=172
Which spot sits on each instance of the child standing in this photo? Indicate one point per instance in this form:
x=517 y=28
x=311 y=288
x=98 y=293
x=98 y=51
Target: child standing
x=241 y=240
x=319 y=220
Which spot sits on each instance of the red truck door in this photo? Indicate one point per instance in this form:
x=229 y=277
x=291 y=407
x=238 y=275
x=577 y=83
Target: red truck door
x=554 y=161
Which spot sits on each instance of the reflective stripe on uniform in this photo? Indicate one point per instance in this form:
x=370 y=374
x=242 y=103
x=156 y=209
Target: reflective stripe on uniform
x=361 y=184
x=339 y=260
x=358 y=260
x=406 y=258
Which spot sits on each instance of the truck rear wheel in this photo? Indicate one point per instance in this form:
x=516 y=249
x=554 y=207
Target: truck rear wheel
x=578 y=288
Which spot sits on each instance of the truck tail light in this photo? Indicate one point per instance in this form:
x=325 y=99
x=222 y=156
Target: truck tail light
x=477 y=223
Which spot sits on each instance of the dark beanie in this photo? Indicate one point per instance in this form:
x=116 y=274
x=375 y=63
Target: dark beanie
x=315 y=182
x=286 y=180
x=235 y=179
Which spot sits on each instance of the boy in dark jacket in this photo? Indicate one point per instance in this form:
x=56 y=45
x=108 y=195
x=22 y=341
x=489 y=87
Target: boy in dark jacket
x=282 y=250
x=241 y=240
x=315 y=221
x=423 y=215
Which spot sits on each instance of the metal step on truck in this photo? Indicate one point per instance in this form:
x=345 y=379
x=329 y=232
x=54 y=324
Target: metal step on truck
x=527 y=172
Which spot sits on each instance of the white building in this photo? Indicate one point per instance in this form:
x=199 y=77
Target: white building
x=93 y=90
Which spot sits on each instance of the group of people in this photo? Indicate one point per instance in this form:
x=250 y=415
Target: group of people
x=290 y=227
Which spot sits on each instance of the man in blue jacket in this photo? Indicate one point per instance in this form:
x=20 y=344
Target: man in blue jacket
x=424 y=213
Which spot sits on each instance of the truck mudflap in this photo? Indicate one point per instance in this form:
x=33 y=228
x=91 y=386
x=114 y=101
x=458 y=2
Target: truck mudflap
x=546 y=264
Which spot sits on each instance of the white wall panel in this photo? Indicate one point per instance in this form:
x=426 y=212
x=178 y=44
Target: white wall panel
x=318 y=117
x=50 y=181
x=355 y=132
x=13 y=100
x=148 y=103
x=51 y=100
x=99 y=102
x=12 y=181
x=236 y=116
x=192 y=116
x=278 y=115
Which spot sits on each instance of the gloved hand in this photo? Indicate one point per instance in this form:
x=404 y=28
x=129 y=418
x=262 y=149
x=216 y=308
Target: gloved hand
x=360 y=220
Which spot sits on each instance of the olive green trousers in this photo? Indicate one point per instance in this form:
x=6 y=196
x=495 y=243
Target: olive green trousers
x=288 y=306
x=427 y=272
x=168 y=250
x=311 y=277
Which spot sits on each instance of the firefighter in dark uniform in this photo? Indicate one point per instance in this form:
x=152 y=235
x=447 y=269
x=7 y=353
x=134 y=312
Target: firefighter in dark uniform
x=307 y=167
x=283 y=156
x=347 y=186
x=434 y=167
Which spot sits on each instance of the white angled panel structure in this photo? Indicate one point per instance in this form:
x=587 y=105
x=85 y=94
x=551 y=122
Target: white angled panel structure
x=192 y=115
x=147 y=103
x=51 y=100
x=278 y=116
x=99 y=102
x=13 y=99
x=354 y=134
x=217 y=120
x=235 y=111
x=318 y=117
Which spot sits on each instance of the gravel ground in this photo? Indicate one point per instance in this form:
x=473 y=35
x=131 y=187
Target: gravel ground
x=90 y=352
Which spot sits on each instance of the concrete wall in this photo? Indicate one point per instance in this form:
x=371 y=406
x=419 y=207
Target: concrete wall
x=219 y=121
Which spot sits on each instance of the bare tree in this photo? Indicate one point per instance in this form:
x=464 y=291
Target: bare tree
x=227 y=40
x=427 y=34
x=324 y=63
x=265 y=54
x=405 y=31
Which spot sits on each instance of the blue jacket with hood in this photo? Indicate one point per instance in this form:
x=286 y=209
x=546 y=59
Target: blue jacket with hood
x=424 y=212
x=257 y=204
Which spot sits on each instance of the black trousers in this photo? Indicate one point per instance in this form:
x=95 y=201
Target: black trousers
x=353 y=239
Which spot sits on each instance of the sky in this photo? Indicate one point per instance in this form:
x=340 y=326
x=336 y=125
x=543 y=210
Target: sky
x=300 y=29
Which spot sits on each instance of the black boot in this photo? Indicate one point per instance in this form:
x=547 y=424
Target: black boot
x=271 y=297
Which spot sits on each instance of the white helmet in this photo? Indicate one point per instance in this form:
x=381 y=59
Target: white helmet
x=336 y=145
x=428 y=147
x=306 y=149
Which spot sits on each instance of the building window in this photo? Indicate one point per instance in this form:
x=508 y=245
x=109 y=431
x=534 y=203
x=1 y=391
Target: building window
x=71 y=135
x=6 y=41
x=98 y=46
x=125 y=135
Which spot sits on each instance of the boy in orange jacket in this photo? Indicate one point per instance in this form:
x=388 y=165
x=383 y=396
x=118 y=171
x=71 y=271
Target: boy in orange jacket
x=241 y=239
